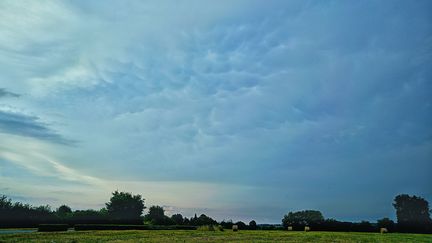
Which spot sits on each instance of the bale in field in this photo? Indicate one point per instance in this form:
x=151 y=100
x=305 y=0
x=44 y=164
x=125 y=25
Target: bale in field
x=290 y=228
x=383 y=230
x=307 y=228
x=235 y=227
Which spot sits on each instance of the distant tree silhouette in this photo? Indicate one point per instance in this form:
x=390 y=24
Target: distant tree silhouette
x=177 y=219
x=412 y=213
x=227 y=224
x=252 y=225
x=91 y=216
x=386 y=223
x=202 y=220
x=363 y=226
x=241 y=225
x=156 y=216
x=125 y=206
x=64 y=211
x=17 y=214
x=305 y=217
x=186 y=221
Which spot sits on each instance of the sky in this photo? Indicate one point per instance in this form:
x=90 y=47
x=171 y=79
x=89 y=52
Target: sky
x=237 y=109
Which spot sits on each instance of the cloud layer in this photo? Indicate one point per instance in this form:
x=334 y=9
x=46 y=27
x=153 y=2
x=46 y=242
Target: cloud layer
x=289 y=106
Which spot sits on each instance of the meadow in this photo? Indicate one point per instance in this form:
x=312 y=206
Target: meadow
x=209 y=236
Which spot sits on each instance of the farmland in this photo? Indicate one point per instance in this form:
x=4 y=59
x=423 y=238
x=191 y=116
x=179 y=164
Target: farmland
x=210 y=236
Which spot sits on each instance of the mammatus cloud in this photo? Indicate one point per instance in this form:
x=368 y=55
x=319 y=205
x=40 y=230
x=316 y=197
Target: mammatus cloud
x=5 y=93
x=298 y=103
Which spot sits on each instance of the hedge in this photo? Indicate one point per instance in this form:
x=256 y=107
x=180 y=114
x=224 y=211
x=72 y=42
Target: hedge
x=52 y=227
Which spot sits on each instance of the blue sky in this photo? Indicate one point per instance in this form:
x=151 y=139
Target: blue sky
x=238 y=109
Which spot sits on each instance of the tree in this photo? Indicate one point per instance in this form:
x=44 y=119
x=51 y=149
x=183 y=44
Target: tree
x=63 y=211
x=385 y=223
x=252 y=225
x=156 y=216
x=5 y=203
x=202 y=220
x=125 y=206
x=177 y=219
x=411 y=210
x=305 y=217
x=227 y=224
x=90 y=216
x=241 y=225
x=363 y=226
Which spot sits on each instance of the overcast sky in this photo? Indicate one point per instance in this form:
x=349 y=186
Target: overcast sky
x=238 y=109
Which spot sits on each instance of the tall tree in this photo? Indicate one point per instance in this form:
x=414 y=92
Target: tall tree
x=411 y=210
x=125 y=206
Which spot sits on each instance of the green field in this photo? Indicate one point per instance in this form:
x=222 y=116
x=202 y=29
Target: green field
x=208 y=236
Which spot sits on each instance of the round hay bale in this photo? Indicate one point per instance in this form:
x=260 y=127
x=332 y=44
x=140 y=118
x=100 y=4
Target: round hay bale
x=235 y=227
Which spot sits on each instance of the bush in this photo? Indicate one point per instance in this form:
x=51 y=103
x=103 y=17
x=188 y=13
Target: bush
x=52 y=227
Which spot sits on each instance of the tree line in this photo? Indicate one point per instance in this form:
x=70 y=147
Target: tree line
x=412 y=212
x=122 y=208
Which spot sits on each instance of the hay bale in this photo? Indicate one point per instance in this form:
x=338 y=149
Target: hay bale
x=235 y=227
x=307 y=228
x=383 y=230
x=290 y=228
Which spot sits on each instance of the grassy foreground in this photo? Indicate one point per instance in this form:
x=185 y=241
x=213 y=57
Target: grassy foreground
x=208 y=236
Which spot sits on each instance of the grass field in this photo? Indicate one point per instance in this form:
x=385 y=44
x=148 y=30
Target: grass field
x=205 y=236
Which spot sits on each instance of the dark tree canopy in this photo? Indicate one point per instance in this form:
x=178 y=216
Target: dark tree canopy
x=17 y=213
x=411 y=210
x=241 y=225
x=124 y=205
x=156 y=215
x=252 y=225
x=64 y=211
x=177 y=219
x=305 y=217
x=386 y=223
x=202 y=220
